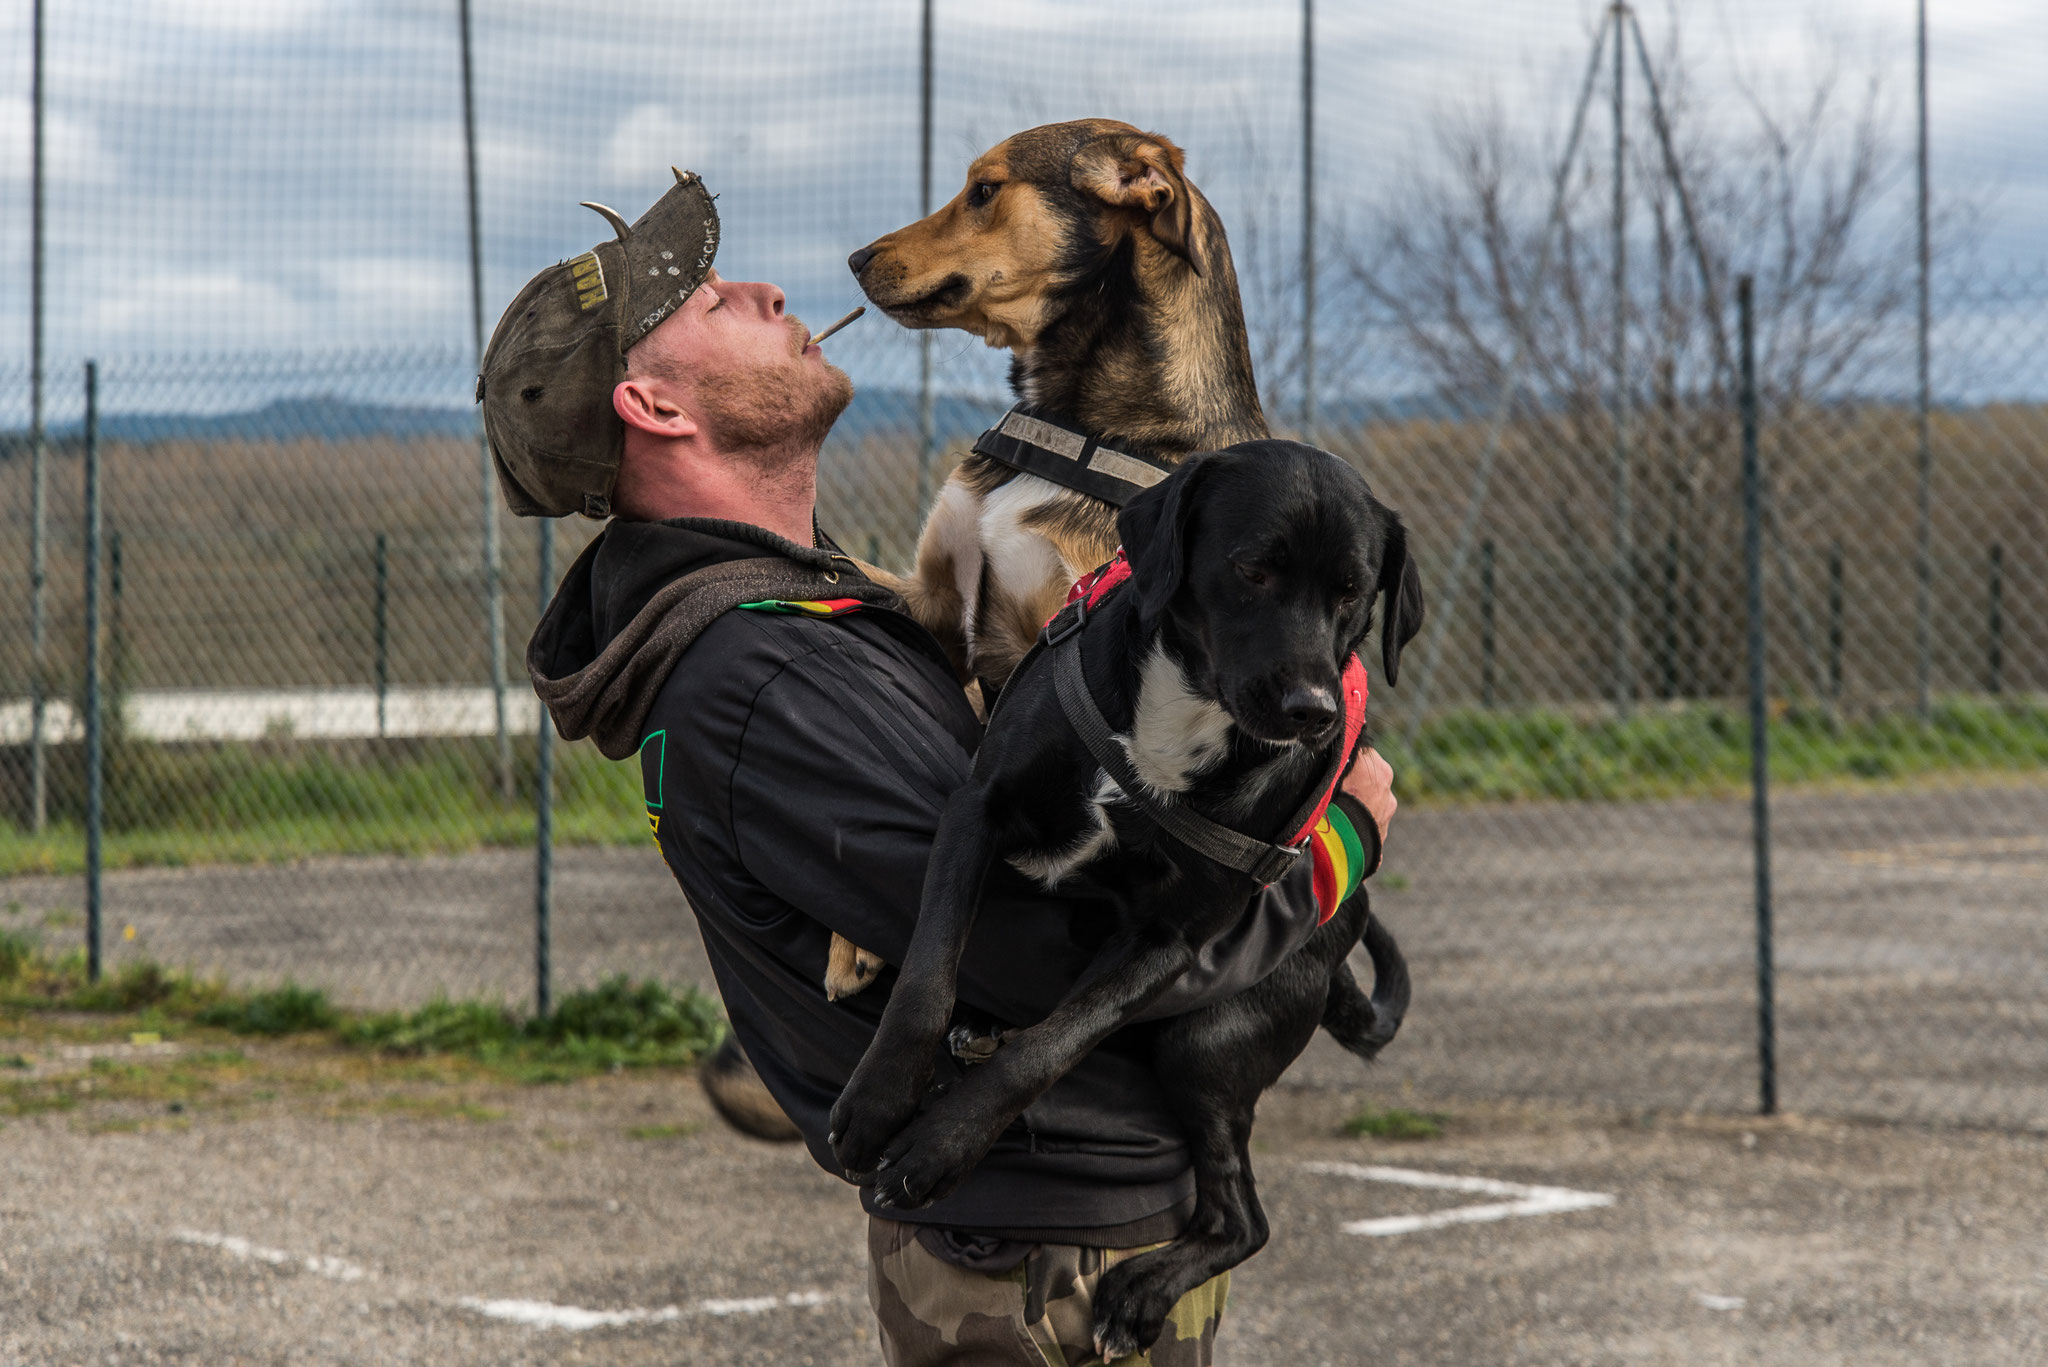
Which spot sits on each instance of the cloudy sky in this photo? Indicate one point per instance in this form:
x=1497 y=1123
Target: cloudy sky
x=285 y=176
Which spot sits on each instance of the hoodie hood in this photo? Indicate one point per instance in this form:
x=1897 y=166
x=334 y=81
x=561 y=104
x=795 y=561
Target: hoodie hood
x=642 y=592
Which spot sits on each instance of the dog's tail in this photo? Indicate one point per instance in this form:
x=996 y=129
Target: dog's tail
x=1363 y=1024
x=738 y=1094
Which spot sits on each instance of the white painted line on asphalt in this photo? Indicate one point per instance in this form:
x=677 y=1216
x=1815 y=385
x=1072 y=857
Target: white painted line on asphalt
x=1713 y=1302
x=576 y=1319
x=340 y=1269
x=533 y=1314
x=1523 y=1199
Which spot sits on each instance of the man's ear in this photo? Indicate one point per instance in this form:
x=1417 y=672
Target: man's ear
x=1153 y=527
x=638 y=405
x=1143 y=172
x=1402 y=588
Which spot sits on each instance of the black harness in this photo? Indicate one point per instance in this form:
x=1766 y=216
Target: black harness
x=1029 y=439
x=1263 y=860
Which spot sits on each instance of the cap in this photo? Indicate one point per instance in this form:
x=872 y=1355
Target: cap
x=560 y=349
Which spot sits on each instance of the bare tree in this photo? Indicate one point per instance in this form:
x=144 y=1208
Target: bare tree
x=1801 y=193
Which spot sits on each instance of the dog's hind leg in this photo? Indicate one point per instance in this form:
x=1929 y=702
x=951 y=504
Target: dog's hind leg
x=1136 y=1297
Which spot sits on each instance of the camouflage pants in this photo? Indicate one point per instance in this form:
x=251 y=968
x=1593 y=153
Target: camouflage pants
x=933 y=1314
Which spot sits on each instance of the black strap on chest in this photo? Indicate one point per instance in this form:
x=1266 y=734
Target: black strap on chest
x=1029 y=439
x=1264 y=861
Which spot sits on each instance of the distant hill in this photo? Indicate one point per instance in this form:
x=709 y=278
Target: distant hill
x=875 y=410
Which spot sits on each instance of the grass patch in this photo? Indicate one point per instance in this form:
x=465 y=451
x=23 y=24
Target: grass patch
x=1703 y=750
x=281 y=800
x=660 y=1132
x=288 y=1010
x=178 y=805
x=1393 y=1122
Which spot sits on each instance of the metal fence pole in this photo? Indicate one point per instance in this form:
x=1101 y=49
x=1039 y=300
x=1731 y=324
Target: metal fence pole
x=1924 y=538
x=39 y=478
x=1995 y=611
x=927 y=412
x=544 y=805
x=1835 y=623
x=94 y=794
x=1759 y=718
x=1624 y=514
x=382 y=629
x=1486 y=637
x=1308 y=220
x=494 y=577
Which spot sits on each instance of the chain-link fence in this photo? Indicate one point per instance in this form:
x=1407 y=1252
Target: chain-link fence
x=310 y=772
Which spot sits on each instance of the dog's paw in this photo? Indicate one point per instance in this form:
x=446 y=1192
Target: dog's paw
x=927 y=1161
x=874 y=1109
x=1130 y=1313
x=969 y=1045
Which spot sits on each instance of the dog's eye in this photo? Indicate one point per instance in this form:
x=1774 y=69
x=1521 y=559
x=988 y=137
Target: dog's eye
x=980 y=193
x=1251 y=573
x=1348 y=599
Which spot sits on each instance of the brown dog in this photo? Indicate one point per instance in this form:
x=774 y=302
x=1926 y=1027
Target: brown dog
x=1084 y=249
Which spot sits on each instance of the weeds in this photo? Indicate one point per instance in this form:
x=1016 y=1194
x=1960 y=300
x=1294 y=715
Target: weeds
x=1395 y=1123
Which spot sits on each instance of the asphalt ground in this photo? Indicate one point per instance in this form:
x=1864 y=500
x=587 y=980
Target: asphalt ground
x=1574 y=953
x=311 y=1209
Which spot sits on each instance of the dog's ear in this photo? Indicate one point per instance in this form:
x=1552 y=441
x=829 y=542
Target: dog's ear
x=1143 y=172
x=1153 y=527
x=1402 y=588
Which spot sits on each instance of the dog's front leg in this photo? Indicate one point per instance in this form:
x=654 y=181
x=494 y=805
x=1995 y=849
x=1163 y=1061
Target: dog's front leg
x=890 y=1082
x=941 y=1146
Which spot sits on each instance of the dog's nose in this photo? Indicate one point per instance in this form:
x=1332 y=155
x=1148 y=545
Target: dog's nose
x=1310 y=708
x=858 y=262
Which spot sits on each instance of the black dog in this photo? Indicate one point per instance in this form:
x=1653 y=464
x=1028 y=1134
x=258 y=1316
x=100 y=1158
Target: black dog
x=1220 y=669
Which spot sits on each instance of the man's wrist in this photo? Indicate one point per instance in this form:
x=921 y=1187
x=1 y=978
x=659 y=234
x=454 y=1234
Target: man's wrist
x=1367 y=829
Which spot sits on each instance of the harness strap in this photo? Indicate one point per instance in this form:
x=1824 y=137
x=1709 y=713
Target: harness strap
x=1266 y=863
x=1028 y=438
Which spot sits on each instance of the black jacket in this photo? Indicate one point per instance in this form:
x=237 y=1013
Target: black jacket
x=795 y=769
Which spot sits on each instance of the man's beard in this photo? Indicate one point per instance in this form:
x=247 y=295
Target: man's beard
x=771 y=415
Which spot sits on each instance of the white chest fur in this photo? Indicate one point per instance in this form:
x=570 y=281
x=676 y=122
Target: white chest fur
x=1175 y=735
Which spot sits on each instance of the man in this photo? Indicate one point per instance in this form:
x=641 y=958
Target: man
x=795 y=769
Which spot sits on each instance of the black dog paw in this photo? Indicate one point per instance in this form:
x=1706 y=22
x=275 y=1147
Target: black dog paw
x=1130 y=1313
x=926 y=1162
x=871 y=1111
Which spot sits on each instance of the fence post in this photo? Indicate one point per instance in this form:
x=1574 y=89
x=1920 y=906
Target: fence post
x=494 y=570
x=1486 y=647
x=1924 y=520
x=94 y=795
x=927 y=412
x=1996 y=659
x=383 y=631
x=1759 y=719
x=544 y=806
x=1308 y=220
x=1624 y=511
x=1835 y=623
x=39 y=479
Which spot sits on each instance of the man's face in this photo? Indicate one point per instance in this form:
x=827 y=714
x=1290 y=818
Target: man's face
x=744 y=368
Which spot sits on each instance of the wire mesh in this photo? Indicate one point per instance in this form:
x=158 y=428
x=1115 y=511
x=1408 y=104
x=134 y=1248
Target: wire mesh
x=257 y=223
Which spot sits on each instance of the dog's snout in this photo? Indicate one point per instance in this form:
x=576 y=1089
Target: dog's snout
x=1310 y=707
x=858 y=262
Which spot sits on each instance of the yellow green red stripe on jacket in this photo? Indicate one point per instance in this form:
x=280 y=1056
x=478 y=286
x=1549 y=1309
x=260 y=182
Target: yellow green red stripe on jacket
x=806 y=607
x=1339 y=858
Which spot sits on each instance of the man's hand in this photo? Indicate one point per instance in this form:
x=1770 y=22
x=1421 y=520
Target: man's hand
x=1371 y=784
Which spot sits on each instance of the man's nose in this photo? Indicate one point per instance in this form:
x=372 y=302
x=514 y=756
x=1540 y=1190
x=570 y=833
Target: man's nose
x=858 y=262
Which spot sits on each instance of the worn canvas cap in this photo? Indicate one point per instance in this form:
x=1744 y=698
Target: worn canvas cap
x=560 y=349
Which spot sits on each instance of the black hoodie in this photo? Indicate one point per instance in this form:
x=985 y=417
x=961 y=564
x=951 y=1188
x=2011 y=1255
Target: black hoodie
x=795 y=769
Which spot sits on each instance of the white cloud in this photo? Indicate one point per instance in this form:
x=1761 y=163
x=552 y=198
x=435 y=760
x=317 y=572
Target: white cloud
x=649 y=137
x=192 y=308
x=76 y=153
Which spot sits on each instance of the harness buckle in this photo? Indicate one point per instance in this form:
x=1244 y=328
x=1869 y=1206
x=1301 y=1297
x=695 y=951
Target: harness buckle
x=1076 y=617
x=1275 y=862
